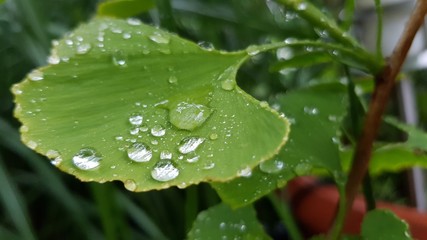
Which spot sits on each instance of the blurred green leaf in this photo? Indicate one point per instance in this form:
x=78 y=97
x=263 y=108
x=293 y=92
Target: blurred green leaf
x=302 y=60
x=417 y=138
x=384 y=225
x=124 y=8
x=126 y=101
x=315 y=114
x=222 y=222
x=389 y=158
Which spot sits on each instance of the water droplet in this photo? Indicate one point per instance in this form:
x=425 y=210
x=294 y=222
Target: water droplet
x=285 y=53
x=271 y=166
x=136 y=119
x=36 y=75
x=311 y=110
x=133 y=21
x=165 y=155
x=127 y=35
x=164 y=171
x=158 y=131
x=263 y=104
x=206 y=46
x=119 y=59
x=173 y=80
x=134 y=131
x=53 y=59
x=130 y=185
x=54 y=156
x=32 y=144
x=83 y=48
x=119 y=138
x=154 y=142
x=193 y=159
x=303 y=169
x=159 y=38
x=87 y=159
x=189 y=116
x=252 y=50
x=228 y=84
x=302 y=6
x=213 y=136
x=23 y=129
x=245 y=172
x=139 y=152
x=208 y=165
x=190 y=144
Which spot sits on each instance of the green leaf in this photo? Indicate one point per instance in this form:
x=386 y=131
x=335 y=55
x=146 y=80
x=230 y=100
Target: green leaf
x=389 y=158
x=124 y=8
x=221 y=222
x=416 y=137
x=315 y=113
x=129 y=102
x=384 y=225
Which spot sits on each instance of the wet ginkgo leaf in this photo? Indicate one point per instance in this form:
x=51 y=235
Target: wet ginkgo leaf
x=125 y=101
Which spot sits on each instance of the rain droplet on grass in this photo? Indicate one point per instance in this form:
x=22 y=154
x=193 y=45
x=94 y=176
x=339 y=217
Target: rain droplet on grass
x=190 y=144
x=271 y=166
x=189 y=116
x=36 y=75
x=87 y=159
x=139 y=152
x=164 y=171
x=158 y=131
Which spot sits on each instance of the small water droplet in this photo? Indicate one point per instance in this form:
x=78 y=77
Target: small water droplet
x=54 y=156
x=311 y=110
x=263 y=104
x=139 y=152
x=193 y=159
x=303 y=169
x=173 y=80
x=158 y=131
x=133 y=21
x=127 y=35
x=271 y=166
x=136 y=119
x=23 y=129
x=190 y=144
x=32 y=144
x=245 y=172
x=130 y=185
x=164 y=155
x=302 y=6
x=134 y=131
x=252 y=50
x=154 y=142
x=87 y=159
x=53 y=59
x=208 y=165
x=228 y=84
x=206 y=45
x=36 y=75
x=189 y=116
x=164 y=171
x=159 y=38
x=119 y=59
x=213 y=136
x=119 y=138
x=83 y=48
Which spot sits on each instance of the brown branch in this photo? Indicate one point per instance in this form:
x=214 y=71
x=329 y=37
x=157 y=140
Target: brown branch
x=384 y=86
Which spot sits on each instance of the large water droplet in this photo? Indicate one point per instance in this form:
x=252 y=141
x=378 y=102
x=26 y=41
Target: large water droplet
x=133 y=21
x=87 y=159
x=136 y=119
x=189 y=116
x=36 y=75
x=173 y=80
x=206 y=46
x=164 y=171
x=252 y=50
x=130 y=185
x=228 y=84
x=190 y=144
x=139 y=152
x=119 y=59
x=159 y=38
x=272 y=166
x=83 y=48
x=158 y=131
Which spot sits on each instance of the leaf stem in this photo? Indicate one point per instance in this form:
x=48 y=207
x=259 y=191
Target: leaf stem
x=384 y=85
x=341 y=214
x=285 y=214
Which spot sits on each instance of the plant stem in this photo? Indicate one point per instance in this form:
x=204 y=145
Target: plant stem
x=384 y=85
x=379 y=10
x=341 y=214
x=349 y=10
x=284 y=212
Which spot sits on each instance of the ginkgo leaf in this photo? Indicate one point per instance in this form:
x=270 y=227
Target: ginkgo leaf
x=125 y=101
